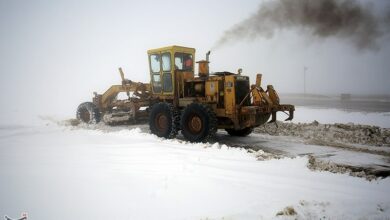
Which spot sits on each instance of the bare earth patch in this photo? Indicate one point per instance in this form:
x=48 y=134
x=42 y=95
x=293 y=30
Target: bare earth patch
x=288 y=211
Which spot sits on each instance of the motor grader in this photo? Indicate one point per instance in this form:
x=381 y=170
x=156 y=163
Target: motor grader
x=176 y=99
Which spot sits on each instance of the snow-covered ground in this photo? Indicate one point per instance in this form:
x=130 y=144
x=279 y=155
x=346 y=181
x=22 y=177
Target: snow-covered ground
x=54 y=171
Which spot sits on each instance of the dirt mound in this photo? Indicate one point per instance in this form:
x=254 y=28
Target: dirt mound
x=288 y=211
x=319 y=165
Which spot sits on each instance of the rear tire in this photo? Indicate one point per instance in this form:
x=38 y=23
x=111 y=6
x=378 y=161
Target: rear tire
x=164 y=120
x=198 y=123
x=240 y=133
x=87 y=112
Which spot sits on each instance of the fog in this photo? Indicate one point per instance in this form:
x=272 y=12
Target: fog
x=54 y=54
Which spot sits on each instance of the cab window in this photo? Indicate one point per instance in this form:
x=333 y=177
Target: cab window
x=183 y=62
x=156 y=80
x=167 y=76
x=155 y=63
x=166 y=62
x=155 y=66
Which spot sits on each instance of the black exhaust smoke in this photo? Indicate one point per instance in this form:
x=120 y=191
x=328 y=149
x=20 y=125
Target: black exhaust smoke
x=343 y=19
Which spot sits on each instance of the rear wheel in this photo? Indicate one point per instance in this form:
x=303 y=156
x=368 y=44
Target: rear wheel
x=241 y=133
x=198 y=123
x=87 y=112
x=164 y=120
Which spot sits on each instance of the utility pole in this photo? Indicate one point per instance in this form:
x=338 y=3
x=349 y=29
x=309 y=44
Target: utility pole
x=304 y=80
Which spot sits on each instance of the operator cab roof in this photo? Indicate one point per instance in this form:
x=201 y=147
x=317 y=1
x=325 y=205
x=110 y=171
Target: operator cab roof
x=174 y=48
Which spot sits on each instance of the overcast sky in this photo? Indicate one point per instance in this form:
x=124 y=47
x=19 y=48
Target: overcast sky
x=54 y=54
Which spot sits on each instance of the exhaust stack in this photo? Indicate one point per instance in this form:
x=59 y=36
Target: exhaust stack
x=203 y=69
x=208 y=56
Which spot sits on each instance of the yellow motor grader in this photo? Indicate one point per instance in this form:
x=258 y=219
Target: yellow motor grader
x=176 y=99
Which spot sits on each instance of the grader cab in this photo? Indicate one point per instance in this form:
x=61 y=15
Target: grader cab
x=176 y=99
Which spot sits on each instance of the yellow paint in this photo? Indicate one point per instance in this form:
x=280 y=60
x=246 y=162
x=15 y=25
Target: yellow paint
x=114 y=90
x=256 y=96
x=211 y=90
x=230 y=101
x=273 y=95
x=258 y=80
x=172 y=50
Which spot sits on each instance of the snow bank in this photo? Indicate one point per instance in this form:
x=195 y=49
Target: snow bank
x=55 y=172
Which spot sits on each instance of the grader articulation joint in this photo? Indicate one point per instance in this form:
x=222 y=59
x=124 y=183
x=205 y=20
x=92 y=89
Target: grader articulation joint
x=176 y=99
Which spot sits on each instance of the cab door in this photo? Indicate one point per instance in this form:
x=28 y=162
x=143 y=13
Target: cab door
x=155 y=72
x=161 y=73
x=166 y=73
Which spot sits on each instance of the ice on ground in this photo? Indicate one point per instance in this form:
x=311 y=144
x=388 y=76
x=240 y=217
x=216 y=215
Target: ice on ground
x=57 y=172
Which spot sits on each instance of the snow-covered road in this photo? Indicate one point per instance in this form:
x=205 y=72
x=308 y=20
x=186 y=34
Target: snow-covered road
x=59 y=172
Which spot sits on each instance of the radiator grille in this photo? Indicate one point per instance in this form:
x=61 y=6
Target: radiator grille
x=242 y=89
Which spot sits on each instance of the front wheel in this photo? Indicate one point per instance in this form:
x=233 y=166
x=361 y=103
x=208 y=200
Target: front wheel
x=87 y=112
x=163 y=120
x=198 y=123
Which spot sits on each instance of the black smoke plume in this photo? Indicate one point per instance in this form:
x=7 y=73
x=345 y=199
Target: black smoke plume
x=343 y=19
